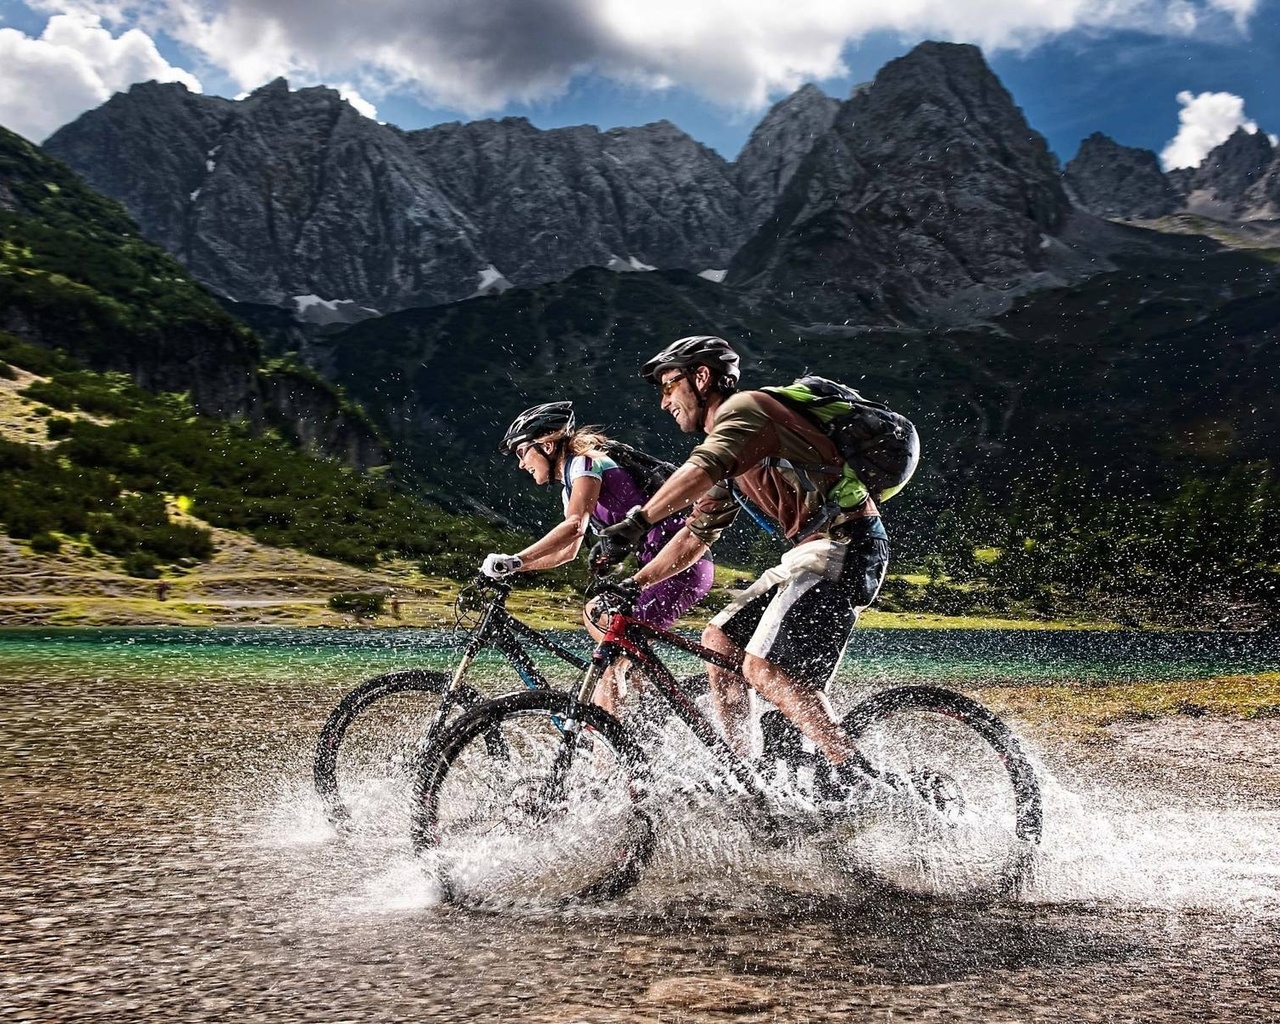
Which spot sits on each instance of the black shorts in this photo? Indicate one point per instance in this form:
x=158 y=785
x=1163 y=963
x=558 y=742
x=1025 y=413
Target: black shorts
x=799 y=614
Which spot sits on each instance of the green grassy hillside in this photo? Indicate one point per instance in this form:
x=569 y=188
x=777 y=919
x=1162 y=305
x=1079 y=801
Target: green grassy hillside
x=143 y=392
x=1099 y=447
x=116 y=455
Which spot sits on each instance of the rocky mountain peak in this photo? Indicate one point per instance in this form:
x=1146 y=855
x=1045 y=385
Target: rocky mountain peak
x=275 y=89
x=777 y=145
x=1111 y=180
x=1218 y=187
x=929 y=184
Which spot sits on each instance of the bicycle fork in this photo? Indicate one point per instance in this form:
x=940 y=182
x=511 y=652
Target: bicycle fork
x=554 y=790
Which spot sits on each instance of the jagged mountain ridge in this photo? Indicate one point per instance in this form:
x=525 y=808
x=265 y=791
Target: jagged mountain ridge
x=293 y=193
x=1112 y=180
x=929 y=184
x=544 y=203
x=1238 y=181
x=924 y=197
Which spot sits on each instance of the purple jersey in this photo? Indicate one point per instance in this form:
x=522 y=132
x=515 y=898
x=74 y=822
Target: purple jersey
x=619 y=494
x=663 y=603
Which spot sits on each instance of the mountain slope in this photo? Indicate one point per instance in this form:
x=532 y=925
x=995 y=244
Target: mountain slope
x=929 y=184
x=75 y=275
x=1160 y=368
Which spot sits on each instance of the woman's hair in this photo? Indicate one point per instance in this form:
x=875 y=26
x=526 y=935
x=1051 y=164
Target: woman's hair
x=586 y=440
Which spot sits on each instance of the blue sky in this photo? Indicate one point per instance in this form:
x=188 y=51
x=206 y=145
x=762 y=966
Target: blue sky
x=710 y=66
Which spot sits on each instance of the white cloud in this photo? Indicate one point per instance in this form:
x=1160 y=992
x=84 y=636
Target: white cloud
x=1205 y=122
x=74 y=65
x=1240 y=10
x=352 y=95
x=477 y=56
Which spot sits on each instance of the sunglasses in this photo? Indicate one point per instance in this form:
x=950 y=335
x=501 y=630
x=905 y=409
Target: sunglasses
x=671 y=385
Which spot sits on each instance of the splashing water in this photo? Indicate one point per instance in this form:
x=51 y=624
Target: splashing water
x=1104 y=841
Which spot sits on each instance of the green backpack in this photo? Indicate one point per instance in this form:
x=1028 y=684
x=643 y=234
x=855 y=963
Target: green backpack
x=880 y=447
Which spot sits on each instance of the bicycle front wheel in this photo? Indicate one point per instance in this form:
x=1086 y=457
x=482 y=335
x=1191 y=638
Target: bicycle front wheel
x=958 y=811
x=533 y=798
x=366 y=747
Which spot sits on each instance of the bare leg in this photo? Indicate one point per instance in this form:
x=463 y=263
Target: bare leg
x=729 y=693
x=612 y=687
x=808 y=708
x=611 y=690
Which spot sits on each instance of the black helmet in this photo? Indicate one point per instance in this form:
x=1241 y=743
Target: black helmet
x=541 y=420
x=698 y=350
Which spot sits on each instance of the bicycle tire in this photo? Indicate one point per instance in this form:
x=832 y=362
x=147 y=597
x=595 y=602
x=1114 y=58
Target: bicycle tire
x=354 y=704
x=1009 y=823
x=449 y=778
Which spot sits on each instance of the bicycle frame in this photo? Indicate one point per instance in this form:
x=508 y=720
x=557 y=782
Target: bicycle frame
x=501 y=630
x=630 y=636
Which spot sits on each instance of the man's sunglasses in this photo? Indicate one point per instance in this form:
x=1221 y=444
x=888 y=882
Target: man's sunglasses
x=671 y=385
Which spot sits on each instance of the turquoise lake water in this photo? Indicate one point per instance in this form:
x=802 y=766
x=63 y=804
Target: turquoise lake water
x=332 y=657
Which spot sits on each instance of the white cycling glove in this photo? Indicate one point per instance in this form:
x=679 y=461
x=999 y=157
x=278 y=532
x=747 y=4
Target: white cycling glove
x=496 y=566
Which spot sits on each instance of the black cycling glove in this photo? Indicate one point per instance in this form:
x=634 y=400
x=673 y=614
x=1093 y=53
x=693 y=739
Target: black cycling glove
x=619 y=540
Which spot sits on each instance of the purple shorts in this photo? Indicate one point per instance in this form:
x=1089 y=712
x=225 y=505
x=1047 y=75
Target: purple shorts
x=663 y=603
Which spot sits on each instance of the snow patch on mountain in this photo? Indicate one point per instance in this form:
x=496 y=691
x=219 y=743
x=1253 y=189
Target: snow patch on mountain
x=628 y=266
x=492 y=282
x=312 y=309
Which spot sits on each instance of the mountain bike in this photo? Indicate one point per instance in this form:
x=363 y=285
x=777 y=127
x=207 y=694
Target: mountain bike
x=543 y=796
x=354 y=740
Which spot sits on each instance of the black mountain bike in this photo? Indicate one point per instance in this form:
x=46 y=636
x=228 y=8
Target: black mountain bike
x=344 y=753
x=541 y=796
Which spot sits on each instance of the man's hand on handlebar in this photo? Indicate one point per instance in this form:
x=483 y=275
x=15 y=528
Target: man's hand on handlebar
x=608 y=597
x=619 y=540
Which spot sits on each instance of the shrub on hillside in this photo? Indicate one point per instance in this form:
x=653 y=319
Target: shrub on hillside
x=57 y=428
x=45 y=544
x=141 y=565
x=360 y=605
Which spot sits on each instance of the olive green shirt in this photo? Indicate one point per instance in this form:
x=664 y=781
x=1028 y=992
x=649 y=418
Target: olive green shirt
x=751 y=427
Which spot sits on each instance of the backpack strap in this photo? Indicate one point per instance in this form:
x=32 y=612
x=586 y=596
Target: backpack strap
x=802 y=471
x=758 y=517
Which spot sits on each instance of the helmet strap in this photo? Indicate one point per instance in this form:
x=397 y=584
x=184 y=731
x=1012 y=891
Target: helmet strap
x=559 y=450
x=692 y=377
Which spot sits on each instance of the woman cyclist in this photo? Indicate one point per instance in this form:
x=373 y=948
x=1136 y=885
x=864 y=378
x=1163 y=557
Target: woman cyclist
x=596 y=492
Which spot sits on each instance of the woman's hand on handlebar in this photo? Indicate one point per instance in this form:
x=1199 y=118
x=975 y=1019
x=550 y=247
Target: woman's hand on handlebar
x=496 y=566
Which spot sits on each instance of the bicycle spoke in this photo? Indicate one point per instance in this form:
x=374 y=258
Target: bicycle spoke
x=553 y=819
x=957 y=805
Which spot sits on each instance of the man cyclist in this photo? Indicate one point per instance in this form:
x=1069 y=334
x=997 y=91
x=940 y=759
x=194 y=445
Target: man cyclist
x=595 y=491
x=793 y=624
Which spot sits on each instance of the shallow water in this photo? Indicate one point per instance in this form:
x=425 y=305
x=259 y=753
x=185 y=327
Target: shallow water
x=162 y=856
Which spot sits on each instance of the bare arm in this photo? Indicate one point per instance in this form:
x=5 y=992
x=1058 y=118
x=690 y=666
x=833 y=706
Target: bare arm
x=683 y=487
x=687 y=484
x=561 y=543
x=680 y=552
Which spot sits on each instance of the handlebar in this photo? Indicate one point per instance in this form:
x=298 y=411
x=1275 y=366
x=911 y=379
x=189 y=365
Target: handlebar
x=612 y=596
x=482 y=589
x=474 y=596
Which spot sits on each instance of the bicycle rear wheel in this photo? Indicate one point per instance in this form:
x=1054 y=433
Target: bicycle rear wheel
x=959 y=812
x=368 y=741
x=519 y=807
